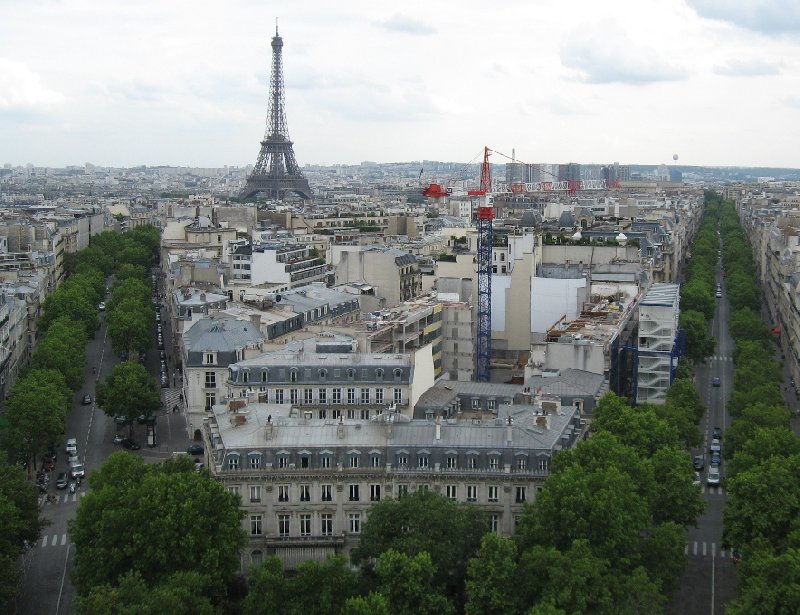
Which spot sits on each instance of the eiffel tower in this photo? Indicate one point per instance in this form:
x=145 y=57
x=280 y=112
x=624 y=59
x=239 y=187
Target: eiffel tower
x=276 y=172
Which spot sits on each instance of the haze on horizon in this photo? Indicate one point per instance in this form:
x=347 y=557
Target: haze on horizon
x=129 y=82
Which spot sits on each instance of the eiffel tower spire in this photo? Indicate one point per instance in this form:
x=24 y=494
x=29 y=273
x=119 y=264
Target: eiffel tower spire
x=276 y=172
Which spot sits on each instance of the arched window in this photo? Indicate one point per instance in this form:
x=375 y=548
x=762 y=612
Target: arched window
x=379 y=374
x=351 y=374
x=323 y=374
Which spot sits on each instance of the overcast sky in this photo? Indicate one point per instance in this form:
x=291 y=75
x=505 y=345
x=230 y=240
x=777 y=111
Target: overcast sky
x=185 y=82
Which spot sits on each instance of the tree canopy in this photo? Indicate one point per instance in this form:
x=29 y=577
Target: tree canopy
x=156 y=521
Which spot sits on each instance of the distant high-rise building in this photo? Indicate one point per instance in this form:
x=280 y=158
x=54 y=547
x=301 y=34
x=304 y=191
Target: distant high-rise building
x=569 y=172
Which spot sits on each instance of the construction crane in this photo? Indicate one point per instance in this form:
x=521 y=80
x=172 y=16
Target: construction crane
x=485 y=216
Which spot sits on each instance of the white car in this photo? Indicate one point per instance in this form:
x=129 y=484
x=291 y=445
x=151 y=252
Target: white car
x=72 y=446
x=713 y=478
x=77 y=470
x=715 y=446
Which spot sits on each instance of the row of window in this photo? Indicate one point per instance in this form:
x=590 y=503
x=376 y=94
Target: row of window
x=324 y=524
x=353 y=460
x=285 y=493
x=350 y=396
x=294 y=373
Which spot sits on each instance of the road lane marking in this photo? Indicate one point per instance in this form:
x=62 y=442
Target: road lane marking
x=55 y=540
x=695 y=547
x=704 y=549
x=63 y=539
x=44 y=541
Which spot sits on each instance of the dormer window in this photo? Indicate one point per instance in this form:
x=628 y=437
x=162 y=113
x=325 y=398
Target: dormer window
x=265 y=375
x=233 y=461
x=323 y=374
x=351 y=374
x=293 y=375
x=398 y=373
x=379 y=374
x=209 y=358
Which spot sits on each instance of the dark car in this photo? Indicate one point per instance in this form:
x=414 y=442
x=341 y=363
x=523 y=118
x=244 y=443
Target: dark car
x=716 y=459
x=62 y=481
x=87 y=400
x=145 y=419
x=120 y=420
x=699 y=463
x=195 y=449
x=716 y=433
x=716 y=382
x=130 y=444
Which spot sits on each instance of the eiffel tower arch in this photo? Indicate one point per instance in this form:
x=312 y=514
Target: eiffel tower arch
x=276 y=172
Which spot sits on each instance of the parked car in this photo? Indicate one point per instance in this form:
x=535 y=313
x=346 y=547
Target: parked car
x=77 y=470
x=130 y=444
x=195 y=449
x=716 y=381
x=87 y=400
x=699 y=463
x=118 y=438
x=716 y=460
x=62 y=481
x=120 y=420
x=716 y=447
x=72 y=446
x=145 y=418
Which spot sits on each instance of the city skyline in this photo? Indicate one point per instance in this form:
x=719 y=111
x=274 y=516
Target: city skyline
x=127 y=83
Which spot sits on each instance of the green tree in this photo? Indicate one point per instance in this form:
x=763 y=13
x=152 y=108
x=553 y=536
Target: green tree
x=575 y=580
x=763 y=503
x=128 y=391
x=63 y=349
x=268 y=589
x=176 y=595
x=415 y=523
x=492 y=578
x=683 y=393
x=744 y=427
x=747 y=324
x=639 y=428
x=371 y=604
x=130 y=327
x=765 y=442
x=20 y=523
x=599 y=505
x=699 y=343
x=137 y=517
x=663 y=556
x=675 y=498
x=768 y=584
x=407 y=583
x=35 y=414
x=74 y=302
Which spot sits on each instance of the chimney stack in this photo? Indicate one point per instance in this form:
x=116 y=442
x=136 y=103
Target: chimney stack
x=439 y=427
x=509 y=429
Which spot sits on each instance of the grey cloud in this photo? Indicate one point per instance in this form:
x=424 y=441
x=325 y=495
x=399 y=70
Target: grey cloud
x=406 y=25
x=748 y=68
x=612 y=60
x=767 y=16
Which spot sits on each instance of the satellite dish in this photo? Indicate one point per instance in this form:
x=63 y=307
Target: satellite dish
x=674 y=156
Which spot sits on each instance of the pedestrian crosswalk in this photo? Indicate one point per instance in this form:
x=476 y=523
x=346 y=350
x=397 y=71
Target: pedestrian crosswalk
x=171 y=398
x=721 y=358
x=712 y=490
x=62 y=498
x=700 y=548
x=53 y=540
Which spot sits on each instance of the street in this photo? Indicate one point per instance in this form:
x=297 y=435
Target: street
x=709 y=581
x=46 y=587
